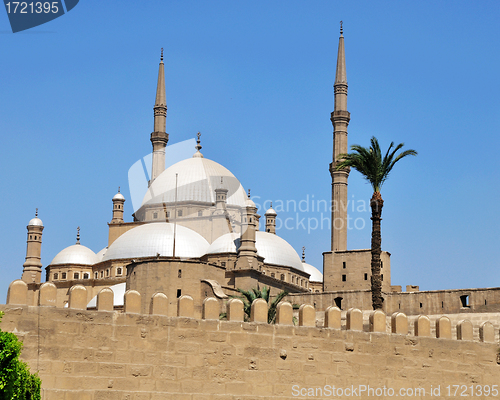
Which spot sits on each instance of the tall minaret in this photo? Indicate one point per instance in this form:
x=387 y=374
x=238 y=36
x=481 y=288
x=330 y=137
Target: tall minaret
x=159 y=137
x=340 y=119
x=32 y=267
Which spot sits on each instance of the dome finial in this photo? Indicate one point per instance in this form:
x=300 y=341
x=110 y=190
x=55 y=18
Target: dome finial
x=161 y=58
x=78 y=235
x=118 y=189
x=198 y=146
x=303 y=253
x=248 y=193
x=341 y=29
x=36 y=212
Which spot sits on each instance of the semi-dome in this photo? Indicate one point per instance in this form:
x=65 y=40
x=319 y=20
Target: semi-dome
x=118 y=295
x=100 y=255
x=316 y=275
x=197 y=179
x=274 y=249
x=75 y=255
x=152 y=239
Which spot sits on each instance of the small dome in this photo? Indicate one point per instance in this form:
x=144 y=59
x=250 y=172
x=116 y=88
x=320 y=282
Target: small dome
x=75 y=255
x=118 y=295
x=118 y=196
x=35 y=222
x=274 y=249
x=271 y=211
x=157 y=238
x=316 y=275
x=100 y=255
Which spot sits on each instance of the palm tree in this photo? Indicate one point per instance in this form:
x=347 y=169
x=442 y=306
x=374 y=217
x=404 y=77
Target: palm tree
x=375 y=169
x=248 y=296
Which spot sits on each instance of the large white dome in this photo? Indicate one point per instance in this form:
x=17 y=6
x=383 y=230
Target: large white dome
x=197 y=179
x=75 y=255
x=274 y=249
x=157 y=238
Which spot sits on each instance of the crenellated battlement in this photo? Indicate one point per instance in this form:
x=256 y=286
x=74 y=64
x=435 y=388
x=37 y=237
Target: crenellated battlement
x=333 y=318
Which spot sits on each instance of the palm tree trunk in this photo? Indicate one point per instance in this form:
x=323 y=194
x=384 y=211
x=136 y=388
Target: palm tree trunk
x=376 y=204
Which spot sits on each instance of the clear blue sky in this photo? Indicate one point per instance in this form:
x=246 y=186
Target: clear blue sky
x=256 y=79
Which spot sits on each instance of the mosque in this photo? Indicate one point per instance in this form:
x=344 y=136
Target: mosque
x=197 y=232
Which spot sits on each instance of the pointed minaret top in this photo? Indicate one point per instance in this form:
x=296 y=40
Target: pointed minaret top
x=161 y=57
x=160 y=88
x=340 y=75
x=78 y=235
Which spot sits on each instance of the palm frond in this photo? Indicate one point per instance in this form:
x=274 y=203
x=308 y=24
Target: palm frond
x=370 y=163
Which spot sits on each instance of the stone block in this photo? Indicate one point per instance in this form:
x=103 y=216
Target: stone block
x=259 y=310
x=377 y=321
x=443 y=328
x=354 y=319
x=211 y=308
x=423 y=326
x=78 y=297
x=132 y=302
x=487 y=332
x=47 y=295
x=158 y=304
x=399 y=323
x=235 y=310
x=465 y=330
x=307 y=315
x=185 y=306
x=284 y=313
x=105 y=299
x=333 y=317
x=17 y=293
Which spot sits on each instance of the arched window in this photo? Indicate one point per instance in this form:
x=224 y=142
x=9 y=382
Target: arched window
x=96 y=275
x=76 y=275
x=63 y=275
x=282 y=277
x=86 y=276
x=119 y=271
x=56 y=276
x=107 y=272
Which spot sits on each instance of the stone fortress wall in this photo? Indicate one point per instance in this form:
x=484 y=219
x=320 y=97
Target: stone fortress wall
x=105 y=354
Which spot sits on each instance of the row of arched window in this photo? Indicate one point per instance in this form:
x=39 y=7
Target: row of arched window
x=86 y=275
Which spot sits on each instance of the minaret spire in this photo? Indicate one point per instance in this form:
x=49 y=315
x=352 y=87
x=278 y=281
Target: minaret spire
x=340 y=118
x=159 y=137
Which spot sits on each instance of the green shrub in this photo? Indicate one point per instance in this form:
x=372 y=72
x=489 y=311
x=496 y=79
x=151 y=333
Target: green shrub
x=16 y=381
